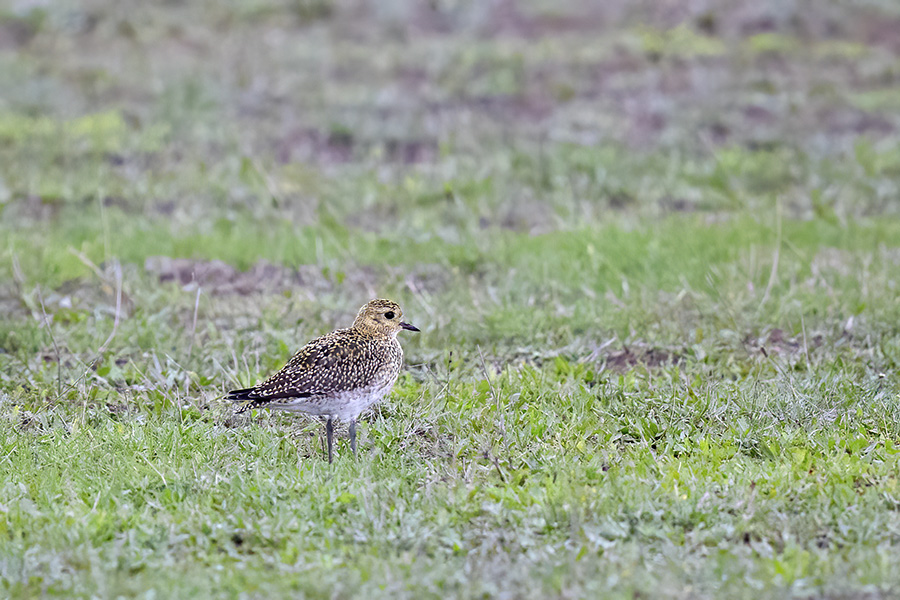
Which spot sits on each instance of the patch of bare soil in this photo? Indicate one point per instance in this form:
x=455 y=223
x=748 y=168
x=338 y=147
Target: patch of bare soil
x=15 y=33
x=777 y=342
x=218 y=278
x=630 y=356
x=33 y=207
x=310 y=145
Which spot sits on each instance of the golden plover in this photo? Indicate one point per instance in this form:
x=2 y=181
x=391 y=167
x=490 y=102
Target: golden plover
x=339 y=375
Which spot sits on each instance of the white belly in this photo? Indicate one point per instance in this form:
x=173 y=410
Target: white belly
x=342 y=406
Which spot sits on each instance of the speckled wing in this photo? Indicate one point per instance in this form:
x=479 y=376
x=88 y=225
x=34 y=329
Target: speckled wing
x=340 y=361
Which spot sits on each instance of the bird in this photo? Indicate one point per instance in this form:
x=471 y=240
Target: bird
x=339 y=375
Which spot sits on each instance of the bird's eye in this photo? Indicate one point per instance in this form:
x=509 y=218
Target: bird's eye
x=389 y=315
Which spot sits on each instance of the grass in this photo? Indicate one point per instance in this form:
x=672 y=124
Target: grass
x=654 y=258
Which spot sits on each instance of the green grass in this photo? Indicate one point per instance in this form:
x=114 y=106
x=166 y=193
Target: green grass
x=655 y=265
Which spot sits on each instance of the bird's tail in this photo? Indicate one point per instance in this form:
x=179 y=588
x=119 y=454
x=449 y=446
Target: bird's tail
x=245 y=396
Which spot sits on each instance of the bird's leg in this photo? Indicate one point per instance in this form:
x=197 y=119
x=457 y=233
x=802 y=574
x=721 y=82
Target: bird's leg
x=329 y=436
x=353 y=436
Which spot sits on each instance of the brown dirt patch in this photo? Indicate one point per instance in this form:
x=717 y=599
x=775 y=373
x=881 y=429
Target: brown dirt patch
x=310 y=145
x=777 y=341
x=631 y=356
x=218 y=278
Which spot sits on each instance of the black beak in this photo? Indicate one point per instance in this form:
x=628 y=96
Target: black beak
x=408 y=327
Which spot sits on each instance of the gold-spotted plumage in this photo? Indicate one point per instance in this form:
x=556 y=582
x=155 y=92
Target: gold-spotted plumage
x=339 y=375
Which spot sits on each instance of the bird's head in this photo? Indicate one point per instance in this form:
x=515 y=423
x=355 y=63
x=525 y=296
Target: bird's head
x=381 y=317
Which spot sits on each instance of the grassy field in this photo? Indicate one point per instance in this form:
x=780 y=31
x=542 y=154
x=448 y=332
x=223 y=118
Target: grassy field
x=653 y=248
